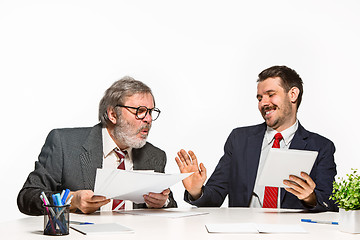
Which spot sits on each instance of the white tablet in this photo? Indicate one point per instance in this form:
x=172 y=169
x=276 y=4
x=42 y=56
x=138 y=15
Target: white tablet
x=280 y=163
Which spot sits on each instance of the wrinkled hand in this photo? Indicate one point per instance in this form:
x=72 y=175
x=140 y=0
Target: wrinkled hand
x=303 y=189
x=156 y=200
x=86 y=202
x=187 y=162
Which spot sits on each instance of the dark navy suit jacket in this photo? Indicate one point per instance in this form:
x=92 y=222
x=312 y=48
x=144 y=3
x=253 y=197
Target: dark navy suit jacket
x=236 y=171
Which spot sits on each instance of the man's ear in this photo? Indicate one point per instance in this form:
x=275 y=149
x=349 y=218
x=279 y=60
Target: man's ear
x=294 y=94
x=112 y=116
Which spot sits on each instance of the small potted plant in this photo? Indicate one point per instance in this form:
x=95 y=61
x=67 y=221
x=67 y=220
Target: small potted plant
x=346 y=193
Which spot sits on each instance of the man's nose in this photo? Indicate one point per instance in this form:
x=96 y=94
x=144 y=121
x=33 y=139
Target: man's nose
x=264 y=101
x=148 y=118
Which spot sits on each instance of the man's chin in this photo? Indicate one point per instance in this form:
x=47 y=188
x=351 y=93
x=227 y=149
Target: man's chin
x=270 y=123
x=140 y=143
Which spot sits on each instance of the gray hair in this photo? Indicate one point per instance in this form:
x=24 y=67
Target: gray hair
x=117 y=94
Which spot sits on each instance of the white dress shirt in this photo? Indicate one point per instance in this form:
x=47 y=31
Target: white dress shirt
x=111 y=160
x=288 y=134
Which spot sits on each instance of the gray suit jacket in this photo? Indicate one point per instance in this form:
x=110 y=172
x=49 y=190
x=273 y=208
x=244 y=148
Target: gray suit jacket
x=69 y=159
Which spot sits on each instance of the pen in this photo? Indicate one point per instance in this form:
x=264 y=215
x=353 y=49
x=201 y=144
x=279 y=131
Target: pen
x=67 y=203
x=319 y=221
x=69 y=200
x=55 y=203
x=46 y=201
x=80 y=223
x=48 y=213
x=64 y=196
x=45 y=198
x=58 y=199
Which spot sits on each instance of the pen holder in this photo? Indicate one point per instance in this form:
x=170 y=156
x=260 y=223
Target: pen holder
x=56 y=220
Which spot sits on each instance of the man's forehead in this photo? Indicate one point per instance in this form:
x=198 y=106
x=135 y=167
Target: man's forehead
x=139 y=99
x=269 y=84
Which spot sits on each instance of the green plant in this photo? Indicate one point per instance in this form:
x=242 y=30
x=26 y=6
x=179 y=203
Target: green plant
x=346 y=192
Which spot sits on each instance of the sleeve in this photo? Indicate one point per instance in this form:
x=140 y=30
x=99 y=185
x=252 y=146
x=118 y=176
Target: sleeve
x=217 y=187
x=45 y=178
x=159 y=166
x=323 y=175
x=171 y=203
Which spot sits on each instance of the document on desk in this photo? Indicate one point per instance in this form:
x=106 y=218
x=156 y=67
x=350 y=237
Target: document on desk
x=101 y=228
x=280 y=163
x=169 y=213
x=110 y=183
x=254 y=228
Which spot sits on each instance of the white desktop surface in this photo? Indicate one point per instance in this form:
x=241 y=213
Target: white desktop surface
x=192 y=227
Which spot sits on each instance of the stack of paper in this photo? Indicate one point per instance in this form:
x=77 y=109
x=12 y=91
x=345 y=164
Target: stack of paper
x=103 y=228
x=254 y=228
x=132 y=185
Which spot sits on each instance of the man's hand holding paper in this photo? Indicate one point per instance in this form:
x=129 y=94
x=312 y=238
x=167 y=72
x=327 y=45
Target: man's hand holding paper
x=156 y=200
x=302 y=188
x=288 y=163
x=136 y=186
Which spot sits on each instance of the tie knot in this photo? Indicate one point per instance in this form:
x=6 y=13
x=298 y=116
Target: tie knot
x=278 y=136
x=277 y=140
x=121 y=155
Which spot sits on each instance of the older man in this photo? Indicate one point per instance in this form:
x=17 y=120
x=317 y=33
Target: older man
x=70 y=157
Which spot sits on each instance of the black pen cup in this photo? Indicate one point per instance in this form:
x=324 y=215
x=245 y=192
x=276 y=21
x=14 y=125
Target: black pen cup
x=56 y=220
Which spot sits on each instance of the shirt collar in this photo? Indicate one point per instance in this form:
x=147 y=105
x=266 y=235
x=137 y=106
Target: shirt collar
x=287 y=134
x=109 y=145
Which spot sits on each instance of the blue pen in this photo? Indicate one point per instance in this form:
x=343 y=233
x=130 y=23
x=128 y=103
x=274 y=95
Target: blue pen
x=80 y=223
x=54 y=200
x=58 y=199
x=319 y=221
x=64 y=197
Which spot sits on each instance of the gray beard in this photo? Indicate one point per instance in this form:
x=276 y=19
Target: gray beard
x=123 y=133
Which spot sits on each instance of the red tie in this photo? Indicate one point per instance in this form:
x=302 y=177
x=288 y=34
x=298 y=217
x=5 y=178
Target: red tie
x=117 y=202
x=271 y=193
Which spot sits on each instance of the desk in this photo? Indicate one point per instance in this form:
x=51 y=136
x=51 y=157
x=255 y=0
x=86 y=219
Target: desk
x=192 y=228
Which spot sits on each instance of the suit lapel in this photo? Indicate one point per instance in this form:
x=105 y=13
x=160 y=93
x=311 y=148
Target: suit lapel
x=299 y=141
x=139 y=159
x=146 y=158
x=91 y=157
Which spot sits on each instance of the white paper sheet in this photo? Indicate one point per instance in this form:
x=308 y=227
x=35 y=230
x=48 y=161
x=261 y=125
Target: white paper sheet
x=254 y=228
x=280 y=163
x=132 y=185
x=169 y=213
x=101 y=228
x=280 y=228
x=232 y=228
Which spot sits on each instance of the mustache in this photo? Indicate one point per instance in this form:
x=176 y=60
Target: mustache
x=146 y=126
x=267 y=108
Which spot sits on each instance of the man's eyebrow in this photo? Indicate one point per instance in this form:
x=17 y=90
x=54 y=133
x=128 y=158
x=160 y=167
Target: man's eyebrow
x=269 y=91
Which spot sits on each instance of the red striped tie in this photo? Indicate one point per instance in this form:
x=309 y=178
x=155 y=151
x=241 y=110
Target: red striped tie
x=117 y=202
x=271 y=193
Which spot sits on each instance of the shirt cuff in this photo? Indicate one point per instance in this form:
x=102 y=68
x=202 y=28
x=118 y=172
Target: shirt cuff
x=191 y=199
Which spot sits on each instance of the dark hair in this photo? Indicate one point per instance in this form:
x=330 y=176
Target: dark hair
x=289 y=78
x=117 y=94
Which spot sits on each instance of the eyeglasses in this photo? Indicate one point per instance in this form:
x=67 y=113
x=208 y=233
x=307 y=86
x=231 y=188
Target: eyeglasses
x=142 y=111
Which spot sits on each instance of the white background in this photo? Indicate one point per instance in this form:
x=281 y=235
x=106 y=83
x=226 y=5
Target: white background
x=201 y=58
